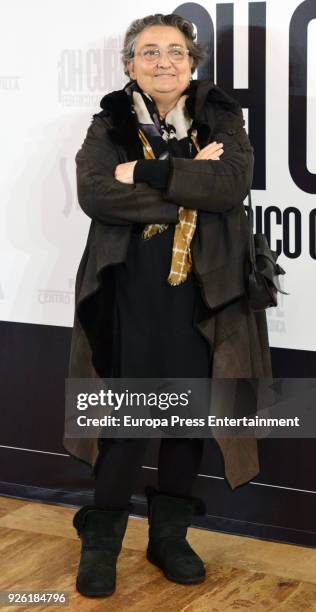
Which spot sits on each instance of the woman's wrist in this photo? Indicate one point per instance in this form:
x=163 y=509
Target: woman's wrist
x=155 y=172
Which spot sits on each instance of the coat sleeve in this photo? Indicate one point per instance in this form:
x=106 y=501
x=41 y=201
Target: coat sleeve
x=108 y=200
x=215 y=185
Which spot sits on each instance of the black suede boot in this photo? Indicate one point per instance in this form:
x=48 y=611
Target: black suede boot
x=169 y=518
x=101 y=532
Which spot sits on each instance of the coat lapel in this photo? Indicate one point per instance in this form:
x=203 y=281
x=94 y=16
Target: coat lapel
x=116 y=105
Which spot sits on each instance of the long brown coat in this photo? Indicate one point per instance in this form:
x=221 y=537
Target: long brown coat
x=238 y=337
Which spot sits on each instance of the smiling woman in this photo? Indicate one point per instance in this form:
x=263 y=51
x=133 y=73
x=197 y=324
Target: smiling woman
x=161 y=64
x=160 y=290
x=163 y=77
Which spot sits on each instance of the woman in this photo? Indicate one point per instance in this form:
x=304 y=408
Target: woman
x=160 y=290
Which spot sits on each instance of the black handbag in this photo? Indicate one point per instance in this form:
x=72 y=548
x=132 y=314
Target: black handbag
x=263 y=281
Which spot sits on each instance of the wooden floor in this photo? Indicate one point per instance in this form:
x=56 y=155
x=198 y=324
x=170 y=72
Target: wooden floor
x=39 y=550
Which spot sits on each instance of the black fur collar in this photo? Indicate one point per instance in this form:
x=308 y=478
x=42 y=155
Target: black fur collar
x=116 y=106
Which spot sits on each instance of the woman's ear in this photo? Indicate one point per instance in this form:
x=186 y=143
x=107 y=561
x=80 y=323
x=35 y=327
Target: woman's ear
x=191 y=64
x=130 y=68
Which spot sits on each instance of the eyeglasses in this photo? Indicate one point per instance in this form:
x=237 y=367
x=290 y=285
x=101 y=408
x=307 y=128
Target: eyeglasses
x=152 y=54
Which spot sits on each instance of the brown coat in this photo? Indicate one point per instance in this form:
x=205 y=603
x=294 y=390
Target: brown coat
x=237 y=336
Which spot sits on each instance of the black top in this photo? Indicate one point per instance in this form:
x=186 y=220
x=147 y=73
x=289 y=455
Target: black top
x=155 y=332
x=155 y=321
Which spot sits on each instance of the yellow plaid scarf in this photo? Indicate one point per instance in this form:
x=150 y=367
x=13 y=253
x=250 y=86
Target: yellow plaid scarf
x=181 y=263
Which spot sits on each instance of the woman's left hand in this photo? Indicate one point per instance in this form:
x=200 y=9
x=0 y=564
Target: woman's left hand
x=125 y=172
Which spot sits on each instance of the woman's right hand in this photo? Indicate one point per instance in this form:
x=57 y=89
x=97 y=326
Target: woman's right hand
x=212 y=151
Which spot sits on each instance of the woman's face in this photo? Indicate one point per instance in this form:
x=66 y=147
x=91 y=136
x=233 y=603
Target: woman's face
x=164 y=75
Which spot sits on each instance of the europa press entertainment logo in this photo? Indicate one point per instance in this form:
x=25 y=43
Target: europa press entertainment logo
x=86 y=74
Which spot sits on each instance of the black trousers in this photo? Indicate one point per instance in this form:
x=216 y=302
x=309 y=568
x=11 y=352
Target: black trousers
x=120 y=461
x=155 y=337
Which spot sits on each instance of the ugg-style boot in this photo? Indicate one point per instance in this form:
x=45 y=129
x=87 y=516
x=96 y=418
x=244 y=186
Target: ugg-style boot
x=101 y=532
x=169 y=518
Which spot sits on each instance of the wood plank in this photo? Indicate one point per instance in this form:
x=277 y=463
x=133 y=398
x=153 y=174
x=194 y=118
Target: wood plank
x=41 y=551
x=7 y=504
x=41 y=518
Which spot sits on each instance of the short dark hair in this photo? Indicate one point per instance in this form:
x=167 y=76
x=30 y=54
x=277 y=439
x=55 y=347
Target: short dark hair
x=197 y=51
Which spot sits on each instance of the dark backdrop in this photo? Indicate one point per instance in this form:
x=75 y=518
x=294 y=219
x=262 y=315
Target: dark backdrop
x=280 y=503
